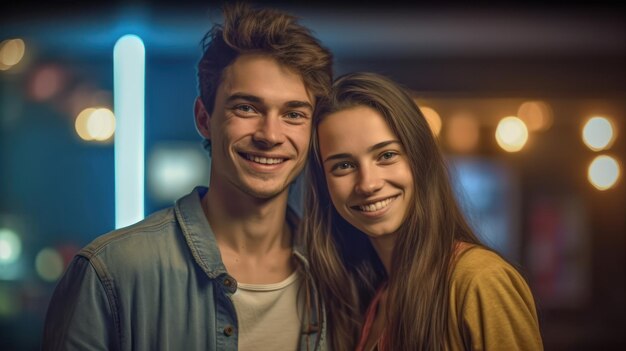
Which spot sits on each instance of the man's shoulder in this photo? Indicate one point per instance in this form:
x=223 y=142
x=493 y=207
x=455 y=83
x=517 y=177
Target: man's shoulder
x=160 y=227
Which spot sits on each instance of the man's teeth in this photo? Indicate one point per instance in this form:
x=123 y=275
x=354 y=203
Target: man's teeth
x=264 y=160
x=376 y=205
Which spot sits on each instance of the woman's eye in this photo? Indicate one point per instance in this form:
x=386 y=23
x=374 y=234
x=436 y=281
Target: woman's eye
x=341 y=167
x=388 y=155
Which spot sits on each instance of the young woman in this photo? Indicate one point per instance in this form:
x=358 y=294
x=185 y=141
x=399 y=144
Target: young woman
x=397 y=264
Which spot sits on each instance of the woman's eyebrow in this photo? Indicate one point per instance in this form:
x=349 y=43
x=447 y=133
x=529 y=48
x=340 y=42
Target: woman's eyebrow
x=381 y=145
x=337 y=156
x=374 y=147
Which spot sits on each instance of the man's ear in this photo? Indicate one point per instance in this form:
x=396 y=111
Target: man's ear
x=203 y=120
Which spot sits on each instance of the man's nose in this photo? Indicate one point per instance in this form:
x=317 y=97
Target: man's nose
x=269 y=132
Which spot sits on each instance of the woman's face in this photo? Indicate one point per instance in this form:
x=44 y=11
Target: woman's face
x=366 y=168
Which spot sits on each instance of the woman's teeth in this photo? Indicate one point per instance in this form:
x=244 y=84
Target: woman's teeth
x=379 y=205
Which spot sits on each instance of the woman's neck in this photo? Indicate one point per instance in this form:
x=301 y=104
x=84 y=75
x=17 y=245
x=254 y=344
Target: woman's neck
x=384 y=248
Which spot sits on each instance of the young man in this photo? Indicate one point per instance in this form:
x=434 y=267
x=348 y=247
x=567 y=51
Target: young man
x=219 y=270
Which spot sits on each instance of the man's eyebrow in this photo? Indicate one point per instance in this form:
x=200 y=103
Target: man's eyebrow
x=246 y=97
x=299 y=104
x=258 y=100
x=374 y=147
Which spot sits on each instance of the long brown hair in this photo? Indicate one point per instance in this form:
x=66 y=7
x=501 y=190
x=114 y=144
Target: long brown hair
x=343 y=260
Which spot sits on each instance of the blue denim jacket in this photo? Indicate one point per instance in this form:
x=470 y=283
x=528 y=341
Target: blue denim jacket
x=159 y=284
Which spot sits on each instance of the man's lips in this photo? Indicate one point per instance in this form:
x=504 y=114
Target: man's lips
x=263 y=159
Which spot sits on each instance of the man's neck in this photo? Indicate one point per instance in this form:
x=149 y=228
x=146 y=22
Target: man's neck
x=252 y=234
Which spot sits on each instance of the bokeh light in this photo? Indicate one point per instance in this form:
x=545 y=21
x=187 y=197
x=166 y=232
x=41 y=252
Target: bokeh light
x=49 y=264
x=598 y=133
x=46 y=82
x=81 y=123
x=9 y=302
x=511 y=134
x=10 y=246
x=80 y=97
x=603 y=173
x=537 y=115
x=433 y=119
x=174 y=168
x=67 y=252
x=11 y=53
x=101 y=124
x=95 y=124
x=462 y=132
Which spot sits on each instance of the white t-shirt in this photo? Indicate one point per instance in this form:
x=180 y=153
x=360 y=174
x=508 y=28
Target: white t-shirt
x=269 y=315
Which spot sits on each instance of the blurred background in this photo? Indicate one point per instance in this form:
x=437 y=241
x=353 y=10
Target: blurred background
x=528 y=102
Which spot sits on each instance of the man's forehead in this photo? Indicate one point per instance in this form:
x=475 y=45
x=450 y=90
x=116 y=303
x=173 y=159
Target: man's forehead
x=266 y=78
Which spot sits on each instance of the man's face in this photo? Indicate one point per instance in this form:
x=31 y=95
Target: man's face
x=260 y=127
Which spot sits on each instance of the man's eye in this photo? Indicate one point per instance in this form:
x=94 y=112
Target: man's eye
x=244 y=108
x=295 y=115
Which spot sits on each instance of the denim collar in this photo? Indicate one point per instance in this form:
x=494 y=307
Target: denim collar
x=201 y=240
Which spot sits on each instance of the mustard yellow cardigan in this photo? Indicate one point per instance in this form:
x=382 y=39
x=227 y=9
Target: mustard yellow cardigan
x=491 y=306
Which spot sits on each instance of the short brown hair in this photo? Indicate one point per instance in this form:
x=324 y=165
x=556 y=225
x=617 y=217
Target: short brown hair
x=265 y=31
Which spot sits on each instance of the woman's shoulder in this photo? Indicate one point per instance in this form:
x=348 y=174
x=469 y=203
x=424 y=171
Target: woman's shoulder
x=477 y=266
x=471 y=255
x=490 y=303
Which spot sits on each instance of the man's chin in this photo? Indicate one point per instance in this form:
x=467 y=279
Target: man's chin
x=266 y=191
x=265 y=194
x=265 y=188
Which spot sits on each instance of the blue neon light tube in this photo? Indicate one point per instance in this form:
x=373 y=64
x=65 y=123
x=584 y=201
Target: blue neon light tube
x=129 y=94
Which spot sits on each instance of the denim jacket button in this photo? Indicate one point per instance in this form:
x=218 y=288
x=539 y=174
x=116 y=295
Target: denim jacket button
x=229 y=330
x=228 y=282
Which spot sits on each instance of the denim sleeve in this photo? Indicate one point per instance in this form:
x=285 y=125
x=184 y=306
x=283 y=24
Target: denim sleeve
x=79 y=314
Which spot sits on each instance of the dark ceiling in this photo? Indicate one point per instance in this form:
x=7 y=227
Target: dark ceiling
x=511 y=47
